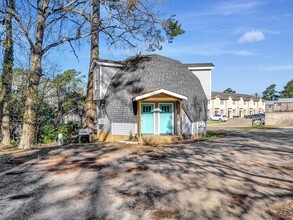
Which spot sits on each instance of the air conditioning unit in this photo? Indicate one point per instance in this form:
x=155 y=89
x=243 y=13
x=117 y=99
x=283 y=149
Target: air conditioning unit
x=101 y=121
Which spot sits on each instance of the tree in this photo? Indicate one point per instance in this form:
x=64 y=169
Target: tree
x=67 y=95
x=288 y=90
x=46 y=24
x=7 y=75
x=90 y=107
x=127 y=24
x=229 y=90
x=270 y=93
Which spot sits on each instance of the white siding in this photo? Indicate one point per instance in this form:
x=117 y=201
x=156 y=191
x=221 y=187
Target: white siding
x=186 y=124
x=106 y=74
x=123 y=128
x=156 y=119
x=204 y=77
x=105 y=128
x=97 y=83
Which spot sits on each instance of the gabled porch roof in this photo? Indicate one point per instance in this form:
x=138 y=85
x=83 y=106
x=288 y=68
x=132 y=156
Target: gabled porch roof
x=154 y=92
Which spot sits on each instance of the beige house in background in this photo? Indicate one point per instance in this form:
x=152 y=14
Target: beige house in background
x=279 y=112
x=235 y=105
x=280 y=105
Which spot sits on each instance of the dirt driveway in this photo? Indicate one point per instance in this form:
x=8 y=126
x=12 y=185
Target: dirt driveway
x=231 y=123
x=244 y=175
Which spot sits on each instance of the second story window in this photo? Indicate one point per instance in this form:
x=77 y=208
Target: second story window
x=222 y=102
x=234 y=102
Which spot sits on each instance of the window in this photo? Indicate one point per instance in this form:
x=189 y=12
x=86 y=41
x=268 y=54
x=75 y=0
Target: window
x=234 y=102
x=165 y=108
x=146 y=109
x=222 y=102
x=245 y=102
x=102 y=108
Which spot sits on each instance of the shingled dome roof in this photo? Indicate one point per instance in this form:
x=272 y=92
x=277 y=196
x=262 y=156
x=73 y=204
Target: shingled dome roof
x=148 y=72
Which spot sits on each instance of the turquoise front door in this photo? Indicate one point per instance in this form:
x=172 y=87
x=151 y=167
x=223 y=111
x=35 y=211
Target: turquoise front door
x=166 y=119
x=147 y=118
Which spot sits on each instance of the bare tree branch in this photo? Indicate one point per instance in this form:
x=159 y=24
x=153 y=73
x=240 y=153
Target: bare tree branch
x=25 y=31
x=65 y=39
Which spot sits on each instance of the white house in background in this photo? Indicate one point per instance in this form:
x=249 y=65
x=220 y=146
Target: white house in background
x=235 y=105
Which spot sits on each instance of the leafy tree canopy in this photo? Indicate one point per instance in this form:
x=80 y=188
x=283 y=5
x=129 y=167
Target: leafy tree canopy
x=288 y=90
x=270 y=93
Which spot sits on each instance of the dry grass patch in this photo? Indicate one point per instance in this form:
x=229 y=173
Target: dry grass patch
x=238 y=200
x=164 y=213
x=110 y=175
x=282 y=211
x=138 y=169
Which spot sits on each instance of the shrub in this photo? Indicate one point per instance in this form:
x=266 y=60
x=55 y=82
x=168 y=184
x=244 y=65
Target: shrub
x=49 y=134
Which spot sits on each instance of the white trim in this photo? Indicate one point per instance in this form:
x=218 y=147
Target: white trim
x=159 y=122
x=154 y=105
x=100 y=81
x=101 y=63
x=201 y=68
x=158 y=92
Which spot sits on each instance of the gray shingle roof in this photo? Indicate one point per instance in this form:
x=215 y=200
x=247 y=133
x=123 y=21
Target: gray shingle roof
x=148 y=72
x=235 y=96
x=199 y=65
x=284 y=100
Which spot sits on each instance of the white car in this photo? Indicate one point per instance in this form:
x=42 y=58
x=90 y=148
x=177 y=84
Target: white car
x=219 y=118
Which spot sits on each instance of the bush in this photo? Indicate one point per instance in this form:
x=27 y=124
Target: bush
x=50 y=133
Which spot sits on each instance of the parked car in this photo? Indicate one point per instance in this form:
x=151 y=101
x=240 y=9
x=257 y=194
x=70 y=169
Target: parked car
x=219 y=117
x=258 y=117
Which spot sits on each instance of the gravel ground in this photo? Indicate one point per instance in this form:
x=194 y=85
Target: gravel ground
x=244 y=175
x=231 y=123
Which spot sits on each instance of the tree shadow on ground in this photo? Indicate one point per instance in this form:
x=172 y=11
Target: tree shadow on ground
x=243 y=175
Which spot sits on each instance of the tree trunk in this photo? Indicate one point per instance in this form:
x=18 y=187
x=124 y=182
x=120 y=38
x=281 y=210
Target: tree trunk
x=90 y=108
x=7 y=79
x=28 y=127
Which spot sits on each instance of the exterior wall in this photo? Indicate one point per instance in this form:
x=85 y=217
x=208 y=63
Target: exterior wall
x=123 y=128
x=279 y=118
x=111 y=137
x=156 y=118
x=235 y=107
x=205 y=79
x=186 y=124
x=279 y=106
x=106 y=74
x=102 y=76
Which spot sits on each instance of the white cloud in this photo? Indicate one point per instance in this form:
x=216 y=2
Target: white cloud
x=233 y=7
x=204 y=50
x=251 y=36
x=244 y=53
x=276 y=68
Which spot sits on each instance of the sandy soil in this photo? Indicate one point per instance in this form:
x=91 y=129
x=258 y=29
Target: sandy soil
x=244 y=175
x=232 y=123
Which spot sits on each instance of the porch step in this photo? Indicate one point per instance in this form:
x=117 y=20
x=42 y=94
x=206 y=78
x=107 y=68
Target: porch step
x=160 y=139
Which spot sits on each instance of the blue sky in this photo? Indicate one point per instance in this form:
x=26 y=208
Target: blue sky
x=249 y=41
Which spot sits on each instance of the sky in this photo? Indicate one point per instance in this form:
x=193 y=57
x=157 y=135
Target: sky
x=250 y=42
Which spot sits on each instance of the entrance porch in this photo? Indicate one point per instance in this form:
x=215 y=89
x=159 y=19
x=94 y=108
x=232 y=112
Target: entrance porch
x=159 y=113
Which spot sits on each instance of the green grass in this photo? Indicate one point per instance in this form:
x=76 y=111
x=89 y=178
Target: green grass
x=258 y=127
x=211 y=135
